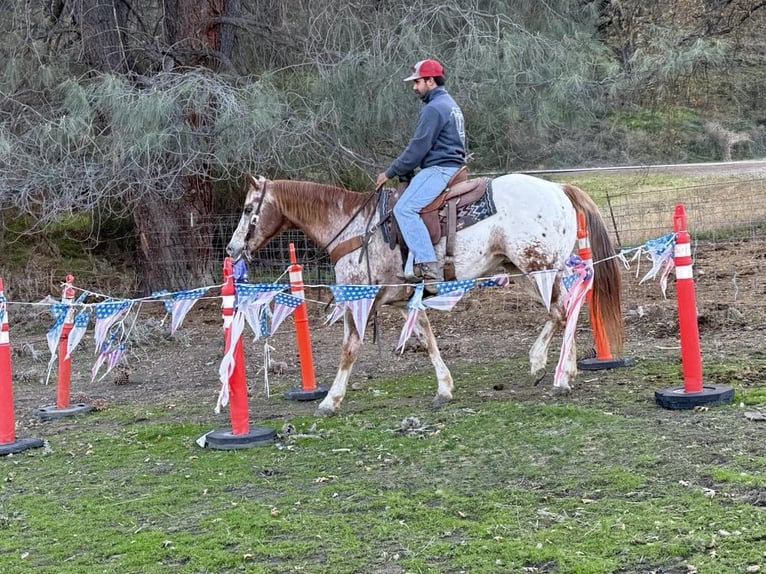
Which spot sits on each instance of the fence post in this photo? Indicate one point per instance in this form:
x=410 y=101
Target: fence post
x=603 y=359
x=241 y=435
x=308 y=390
x=694 y=392
x=9 y=444
x=62 y=408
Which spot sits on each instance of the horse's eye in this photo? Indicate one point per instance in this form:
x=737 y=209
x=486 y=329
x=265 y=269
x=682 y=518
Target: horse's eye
x=248 y=209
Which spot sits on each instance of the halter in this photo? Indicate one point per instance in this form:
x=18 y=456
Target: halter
x=257 y=214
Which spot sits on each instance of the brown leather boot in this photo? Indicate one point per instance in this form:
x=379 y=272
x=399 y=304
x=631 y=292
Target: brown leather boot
x=428 y=271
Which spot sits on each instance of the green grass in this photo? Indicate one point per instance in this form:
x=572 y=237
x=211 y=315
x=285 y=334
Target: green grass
x=601 y=484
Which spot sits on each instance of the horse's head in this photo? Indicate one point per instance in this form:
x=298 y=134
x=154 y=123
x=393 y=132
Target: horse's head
x=261 y=219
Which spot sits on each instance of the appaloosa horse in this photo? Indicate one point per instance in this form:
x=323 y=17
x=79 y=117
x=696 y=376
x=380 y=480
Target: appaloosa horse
x=534 y=229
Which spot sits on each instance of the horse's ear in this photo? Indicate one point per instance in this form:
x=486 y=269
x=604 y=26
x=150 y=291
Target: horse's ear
x=256 y=182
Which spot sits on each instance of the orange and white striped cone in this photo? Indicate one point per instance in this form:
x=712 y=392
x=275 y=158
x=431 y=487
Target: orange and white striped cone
x=693 y=393
x=9 y=444
x=63 y=408
x=309 y=390
x=603 y=359
x=242 y=434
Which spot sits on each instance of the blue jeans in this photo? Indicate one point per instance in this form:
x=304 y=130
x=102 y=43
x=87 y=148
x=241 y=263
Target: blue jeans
x=422 y=190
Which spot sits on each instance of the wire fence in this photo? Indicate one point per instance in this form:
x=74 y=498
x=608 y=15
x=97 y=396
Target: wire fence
x=726 y=210
x=729 y=209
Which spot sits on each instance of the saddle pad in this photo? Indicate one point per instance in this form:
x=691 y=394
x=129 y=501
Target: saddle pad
x=474 y=212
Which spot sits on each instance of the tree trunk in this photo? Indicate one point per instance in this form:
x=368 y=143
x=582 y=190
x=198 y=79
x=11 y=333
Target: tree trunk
x=175 y=241
x=103 y=24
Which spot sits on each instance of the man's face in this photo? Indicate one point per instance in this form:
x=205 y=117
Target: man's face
x=422 y=86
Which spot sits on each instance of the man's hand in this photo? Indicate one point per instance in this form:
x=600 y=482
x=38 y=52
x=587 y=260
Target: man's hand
x=381 y=181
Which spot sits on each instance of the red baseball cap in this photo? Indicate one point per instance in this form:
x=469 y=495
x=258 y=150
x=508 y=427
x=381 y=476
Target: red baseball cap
x=425 y=69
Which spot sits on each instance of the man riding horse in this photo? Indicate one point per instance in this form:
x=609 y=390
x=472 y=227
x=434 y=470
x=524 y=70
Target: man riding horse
x=438 y=148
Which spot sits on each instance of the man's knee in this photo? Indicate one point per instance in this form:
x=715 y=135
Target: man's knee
x=403 y=210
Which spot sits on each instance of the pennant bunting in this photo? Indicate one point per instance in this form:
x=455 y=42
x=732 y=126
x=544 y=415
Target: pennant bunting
x=337 y=312
x=107 y=314
x=113 y=359
x=164 y=296
x=661 y=251
x=81 y=321
x=246 y=292
x=545 y=281
x=266 y=362
x=284 y=305
x=227 y=366
x=100 y=360
x=59 y=312
x=239 y=271
x=578 y=283
x=2 y=309
x=359 y=299
x=499 y=280
x=183 y=301
x=415 y=305
x=252 y=302
x=448 y=294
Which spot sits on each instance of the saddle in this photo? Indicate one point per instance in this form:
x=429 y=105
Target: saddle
x=445 y=215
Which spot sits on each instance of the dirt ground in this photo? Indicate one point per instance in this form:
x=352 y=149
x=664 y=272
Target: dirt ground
x=489 y=324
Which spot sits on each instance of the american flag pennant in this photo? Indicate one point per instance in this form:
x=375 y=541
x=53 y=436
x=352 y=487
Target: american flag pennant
x=578 y=283
x=183 y=301
x=228 y=362
x=415 y=305
x=2 y=309
x=102 y=358
x=284 y=305
x=239 y=271
x=337 y=312
x=164 y=296
x=448 y=294
x=59 y=312
x=107 y=314
x=81 y=321
x=248 y=291
x=499 y=280
x=254 y=315
x=113 y=359
x=661 y=251
x=545 y=280
x=359 y=299
x=252 y=301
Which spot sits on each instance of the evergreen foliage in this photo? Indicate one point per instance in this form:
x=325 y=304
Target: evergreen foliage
x=314 y=90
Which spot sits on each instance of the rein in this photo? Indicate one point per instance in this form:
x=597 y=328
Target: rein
x=353 y=243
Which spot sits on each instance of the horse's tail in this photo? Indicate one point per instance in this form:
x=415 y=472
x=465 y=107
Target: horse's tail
x=607 y=280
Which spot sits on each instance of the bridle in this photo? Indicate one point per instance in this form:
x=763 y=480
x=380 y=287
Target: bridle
x=253 y=221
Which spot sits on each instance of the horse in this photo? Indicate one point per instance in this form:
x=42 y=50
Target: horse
x=534 y=229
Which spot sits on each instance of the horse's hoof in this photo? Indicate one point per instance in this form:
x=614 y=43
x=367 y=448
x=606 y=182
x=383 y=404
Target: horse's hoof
x=323 y=412
x=538 y=376
x=440 y=401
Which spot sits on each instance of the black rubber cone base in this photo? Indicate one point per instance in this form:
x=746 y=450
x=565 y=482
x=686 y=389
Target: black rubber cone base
x=678 y=398
x=53 y=412
x=603 y=364
x=20 y=445
x=306 y=395
x=226 y=440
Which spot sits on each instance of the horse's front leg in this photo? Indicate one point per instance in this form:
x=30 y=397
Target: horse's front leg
x=443 y=376
x=349 y=353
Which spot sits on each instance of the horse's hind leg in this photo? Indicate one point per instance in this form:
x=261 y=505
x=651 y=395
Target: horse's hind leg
x=538 y=354
x=349 y=353
x=444 y=381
